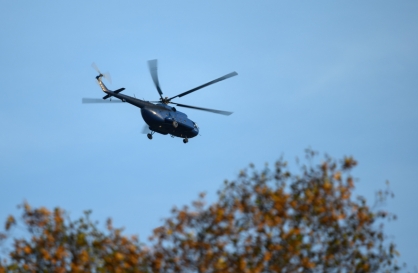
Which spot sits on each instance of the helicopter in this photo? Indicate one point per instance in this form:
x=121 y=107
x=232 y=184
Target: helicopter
x=159 y=116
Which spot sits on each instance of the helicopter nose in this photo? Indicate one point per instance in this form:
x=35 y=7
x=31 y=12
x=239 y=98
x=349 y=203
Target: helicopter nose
x=195 y=132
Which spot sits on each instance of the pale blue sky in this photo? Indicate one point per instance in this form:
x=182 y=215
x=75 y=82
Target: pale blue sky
x=340 y=77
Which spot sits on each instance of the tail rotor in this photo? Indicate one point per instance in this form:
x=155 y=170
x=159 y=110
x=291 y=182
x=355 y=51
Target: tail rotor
x=104 y=75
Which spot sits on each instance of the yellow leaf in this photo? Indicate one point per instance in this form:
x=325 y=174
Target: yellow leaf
x=267 y=256
x=27 y=250
x=327 y=186
x=10 y=221
x=337 y=176
x=119 y=256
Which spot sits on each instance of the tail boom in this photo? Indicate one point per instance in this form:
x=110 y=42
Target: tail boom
x=101 y=84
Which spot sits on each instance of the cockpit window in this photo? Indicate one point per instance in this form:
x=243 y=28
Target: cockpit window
x=195 y=125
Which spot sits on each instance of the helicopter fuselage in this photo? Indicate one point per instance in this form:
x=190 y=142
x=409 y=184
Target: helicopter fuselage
x=161 y=118
x=169 y=121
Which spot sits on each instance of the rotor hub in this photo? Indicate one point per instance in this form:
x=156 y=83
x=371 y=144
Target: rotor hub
x=165 y=100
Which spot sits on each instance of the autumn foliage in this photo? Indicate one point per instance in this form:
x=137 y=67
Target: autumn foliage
x=264 y=221
x=60 y=245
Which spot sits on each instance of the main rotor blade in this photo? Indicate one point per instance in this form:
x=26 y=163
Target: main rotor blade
x=89 y=100
x=225 y=113
x=206 y=84
x=153 y=69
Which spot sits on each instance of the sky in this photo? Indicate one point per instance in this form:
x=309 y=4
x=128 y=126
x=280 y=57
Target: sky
x=339 y=77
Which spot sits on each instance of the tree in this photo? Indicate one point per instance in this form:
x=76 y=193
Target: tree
x=265 y=221
x=58 y=244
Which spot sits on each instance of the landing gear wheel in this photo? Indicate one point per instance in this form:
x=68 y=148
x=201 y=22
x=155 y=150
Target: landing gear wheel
x=185 y=140
x=175 y=124
x=149 y=136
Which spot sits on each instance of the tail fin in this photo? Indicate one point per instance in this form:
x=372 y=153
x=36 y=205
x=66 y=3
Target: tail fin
x=99 y=78
x=101 y=84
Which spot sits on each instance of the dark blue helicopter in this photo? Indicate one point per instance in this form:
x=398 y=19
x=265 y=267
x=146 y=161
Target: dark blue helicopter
x=158 y=115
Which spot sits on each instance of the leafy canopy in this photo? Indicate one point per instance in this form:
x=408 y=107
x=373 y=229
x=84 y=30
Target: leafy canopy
x=264 y=221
